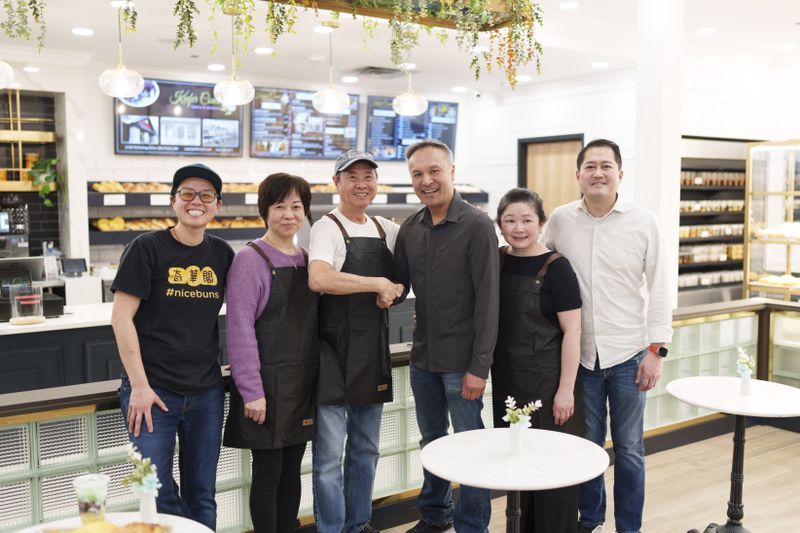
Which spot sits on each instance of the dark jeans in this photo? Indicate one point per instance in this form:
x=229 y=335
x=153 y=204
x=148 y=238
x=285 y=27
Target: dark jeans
x=275 y=489
x=197 y=421
x=436 y=396
x=616 y=387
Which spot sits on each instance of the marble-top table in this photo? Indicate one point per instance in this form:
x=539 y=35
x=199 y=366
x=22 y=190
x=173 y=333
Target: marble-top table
x=481 y=458
x=177 y=523
x=718 y=393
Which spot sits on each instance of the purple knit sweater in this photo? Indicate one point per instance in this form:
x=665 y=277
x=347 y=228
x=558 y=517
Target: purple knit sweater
x=248 y=284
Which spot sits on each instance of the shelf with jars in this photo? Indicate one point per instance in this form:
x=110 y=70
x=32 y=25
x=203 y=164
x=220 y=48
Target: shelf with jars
x=27 y=134
x=772 y=225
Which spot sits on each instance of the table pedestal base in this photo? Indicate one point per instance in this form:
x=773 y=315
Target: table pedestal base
x=735 y=507
x=727 y=528
x=513 y=511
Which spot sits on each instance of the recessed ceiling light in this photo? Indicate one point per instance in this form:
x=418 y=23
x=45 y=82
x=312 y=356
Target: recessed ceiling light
x=706 y=31
x=788 y=47
x=216 y=67
x=524 y=77
x=349 y=79
x=316 y=58
x=459 y=89
x=479 y=49
x=407 y=66
x=83 y=32
x=30 y=68
x=599 y=64
x=569 y=5
x=264 y=50
x=322 y=29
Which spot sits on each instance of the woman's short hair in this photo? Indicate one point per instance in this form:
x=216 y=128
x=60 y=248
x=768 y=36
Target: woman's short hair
x=276 y=187
x=524 y=196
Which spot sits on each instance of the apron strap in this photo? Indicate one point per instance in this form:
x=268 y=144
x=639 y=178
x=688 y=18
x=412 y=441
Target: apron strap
x=540 y=275
x=381 y=231
x=338 y=223
x=503 y=254
x=263 y=254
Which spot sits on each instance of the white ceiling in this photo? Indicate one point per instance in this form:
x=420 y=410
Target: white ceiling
x=599 y=30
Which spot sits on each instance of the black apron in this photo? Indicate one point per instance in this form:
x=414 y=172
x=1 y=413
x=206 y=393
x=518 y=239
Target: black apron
x=527 y=366
x=355 y=365
x=289 y=353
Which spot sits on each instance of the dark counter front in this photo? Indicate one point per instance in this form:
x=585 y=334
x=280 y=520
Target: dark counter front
x=58 y=358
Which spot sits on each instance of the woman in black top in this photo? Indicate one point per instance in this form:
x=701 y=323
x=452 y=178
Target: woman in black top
x=538 y=345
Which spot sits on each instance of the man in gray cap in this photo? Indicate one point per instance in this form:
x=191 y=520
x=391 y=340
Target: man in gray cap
x=350 y=262
x=168 y=291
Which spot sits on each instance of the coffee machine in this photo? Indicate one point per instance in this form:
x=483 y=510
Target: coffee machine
x=14 y=232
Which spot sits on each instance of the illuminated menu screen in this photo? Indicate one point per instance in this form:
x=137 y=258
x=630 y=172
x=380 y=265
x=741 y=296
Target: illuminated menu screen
x=388 y=134
x=176 y=118
x=285 y=124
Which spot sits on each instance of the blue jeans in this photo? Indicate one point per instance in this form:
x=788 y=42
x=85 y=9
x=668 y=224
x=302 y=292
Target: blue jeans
x=197 y=421
x=343 y=494
x=617 y=386
x=434 y=395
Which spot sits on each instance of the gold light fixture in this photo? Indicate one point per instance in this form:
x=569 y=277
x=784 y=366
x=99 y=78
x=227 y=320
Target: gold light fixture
x=121 y=82
x=233 y=91
x=330 y=100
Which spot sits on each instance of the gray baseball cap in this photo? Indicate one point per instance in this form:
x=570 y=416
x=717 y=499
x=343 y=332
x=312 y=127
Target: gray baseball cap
x=353 y=156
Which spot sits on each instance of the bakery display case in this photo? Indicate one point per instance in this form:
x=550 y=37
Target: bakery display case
x=772 y=221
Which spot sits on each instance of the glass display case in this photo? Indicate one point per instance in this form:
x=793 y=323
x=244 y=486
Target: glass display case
x=772 y=220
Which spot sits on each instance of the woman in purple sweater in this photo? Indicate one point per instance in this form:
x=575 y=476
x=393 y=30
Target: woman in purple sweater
x=272 y=349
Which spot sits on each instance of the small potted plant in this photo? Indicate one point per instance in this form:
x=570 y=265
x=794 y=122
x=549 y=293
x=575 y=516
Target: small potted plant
x=145 y=484
x=519 y=419
x=45 y=176
x=745 y=366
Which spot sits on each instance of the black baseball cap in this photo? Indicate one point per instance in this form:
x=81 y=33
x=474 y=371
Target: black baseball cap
x=197 y=170
x=353 y=156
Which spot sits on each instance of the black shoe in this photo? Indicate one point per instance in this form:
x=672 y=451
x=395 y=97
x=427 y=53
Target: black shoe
x=424 y=527
x=586 y=529
x=368 y=529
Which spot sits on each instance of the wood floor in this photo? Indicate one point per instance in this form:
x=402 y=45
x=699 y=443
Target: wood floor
x=688 y=487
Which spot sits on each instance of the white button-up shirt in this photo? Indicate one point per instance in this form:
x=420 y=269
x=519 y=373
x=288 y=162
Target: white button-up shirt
x=615 y=258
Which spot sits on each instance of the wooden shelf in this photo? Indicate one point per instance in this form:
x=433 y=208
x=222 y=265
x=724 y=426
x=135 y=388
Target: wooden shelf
x=709 y=214
x=710 y=265
x=23 y=186
x=712 y=286
x=711 y=188
x=767 y=287
x=775 y=240
x=713 y=240
x=27 y=136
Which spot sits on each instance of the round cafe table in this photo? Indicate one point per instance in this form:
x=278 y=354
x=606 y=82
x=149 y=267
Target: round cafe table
x=179 y=524
x=481 y=458
x=718 y=393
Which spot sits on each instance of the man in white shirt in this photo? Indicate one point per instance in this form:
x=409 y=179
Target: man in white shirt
x=350 y=262
x=614 y=248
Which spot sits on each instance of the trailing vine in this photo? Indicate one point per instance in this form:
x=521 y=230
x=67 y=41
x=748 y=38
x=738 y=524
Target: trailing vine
x=19 y=13
x=186 y=10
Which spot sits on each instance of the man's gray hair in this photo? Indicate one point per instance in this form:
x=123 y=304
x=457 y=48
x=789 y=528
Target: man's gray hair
x=430 y=143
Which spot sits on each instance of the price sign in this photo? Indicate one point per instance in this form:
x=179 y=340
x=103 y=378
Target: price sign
x=251 y=198
x=114 y=199
x=159 y=199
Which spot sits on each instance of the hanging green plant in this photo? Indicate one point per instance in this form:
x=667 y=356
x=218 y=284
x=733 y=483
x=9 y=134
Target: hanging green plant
x=19 y=14
x=46 y=177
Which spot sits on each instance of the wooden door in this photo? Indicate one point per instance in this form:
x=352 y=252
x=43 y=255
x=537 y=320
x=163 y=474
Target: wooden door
x=550 y=170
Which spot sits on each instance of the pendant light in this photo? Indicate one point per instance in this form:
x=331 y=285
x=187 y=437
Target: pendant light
x=330 y=100
x=233 y=92
x=121 y=82
x=409 y=104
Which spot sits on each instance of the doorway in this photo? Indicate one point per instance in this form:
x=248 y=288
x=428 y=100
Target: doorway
x=547 y=165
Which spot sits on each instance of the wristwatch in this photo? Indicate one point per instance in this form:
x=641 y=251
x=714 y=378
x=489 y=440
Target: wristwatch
x=660 y=351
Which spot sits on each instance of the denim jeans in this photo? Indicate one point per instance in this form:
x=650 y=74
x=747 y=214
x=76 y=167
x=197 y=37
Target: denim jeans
x=617 y=386
x=343 y=493
x=197 y=421
x=435 y=395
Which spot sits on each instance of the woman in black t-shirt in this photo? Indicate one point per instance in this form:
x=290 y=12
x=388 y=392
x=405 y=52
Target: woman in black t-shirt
x=168 y=292
x=538 y=345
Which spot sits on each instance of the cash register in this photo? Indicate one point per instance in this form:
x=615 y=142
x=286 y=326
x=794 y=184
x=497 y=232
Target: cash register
x=21 y=270
x=13 y=233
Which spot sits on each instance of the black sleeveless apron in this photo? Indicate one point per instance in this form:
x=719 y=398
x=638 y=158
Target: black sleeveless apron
x=527 y=366
x=355 y=365
x=289 y=353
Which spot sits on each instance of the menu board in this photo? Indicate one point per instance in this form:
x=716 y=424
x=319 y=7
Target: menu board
x=388 y=134
x=284 y=123
x=176 y=118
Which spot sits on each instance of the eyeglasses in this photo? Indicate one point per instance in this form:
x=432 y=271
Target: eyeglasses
x=206 y=196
